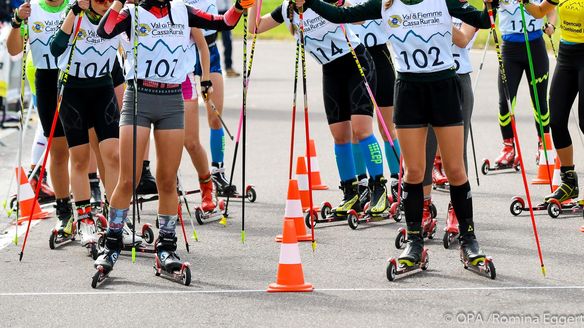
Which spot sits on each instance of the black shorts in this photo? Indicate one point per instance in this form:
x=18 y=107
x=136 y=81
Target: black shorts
x=47 y=89
x=118 y=74
x=83 y=108
x=343 y=89
x=385 y=75
x=422 y=103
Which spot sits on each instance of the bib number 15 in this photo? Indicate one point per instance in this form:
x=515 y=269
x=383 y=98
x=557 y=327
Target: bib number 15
x=420 y=59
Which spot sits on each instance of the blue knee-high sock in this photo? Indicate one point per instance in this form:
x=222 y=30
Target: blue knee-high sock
x=345 y=162
x=217 y=145
x=392 y=161
x=360 y=168
x=372 y=156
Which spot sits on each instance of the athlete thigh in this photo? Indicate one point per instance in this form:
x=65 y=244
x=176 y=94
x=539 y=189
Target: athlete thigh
x=336 y=99
x=191 y=120
x=563 y=91
x=105 y=114
x=361 y=103
x=541 y=67
x=74 y=115
x=126 y=149
x=514 y=68
x=169 y=145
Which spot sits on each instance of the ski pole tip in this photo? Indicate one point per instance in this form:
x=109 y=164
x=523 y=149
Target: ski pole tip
x=195 y=236
x=133 y=254
x=188 y=247
x=20 y=256
x=314 y=245
x=15 y=240
x=543 y=271
x=223 y=221
x=243 y=237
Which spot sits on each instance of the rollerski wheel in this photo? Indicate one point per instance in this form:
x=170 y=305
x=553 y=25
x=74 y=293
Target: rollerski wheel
x=353 y=219
x=485 y=267
x=327 y=215
x=395 y=211
x=250 y=193
x=485 y=167
x=216 y=214
x=310 y=222
x=433 y=211
x=393 y=269
x=147 y=234
x=554 y=208
x=183 y=275
x=517 y=206
x=401 y=238
x=325 y=210
x=58 y=239
x=100 y=275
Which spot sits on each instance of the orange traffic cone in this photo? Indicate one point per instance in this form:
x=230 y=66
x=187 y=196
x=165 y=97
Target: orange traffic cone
x=293 y=213
x=302 y=178
x=556 y=180
x=544 y=171
x=314 y=168
x=290 y=277
x=27 y=200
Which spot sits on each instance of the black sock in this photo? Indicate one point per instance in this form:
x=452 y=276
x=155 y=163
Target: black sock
x=413 y=200
x=565 y=169
x=361 y=177
x=82 y=203
x=93 y=180
x=461 y=199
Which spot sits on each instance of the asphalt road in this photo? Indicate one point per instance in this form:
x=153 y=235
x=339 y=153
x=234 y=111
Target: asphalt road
x=52 y=287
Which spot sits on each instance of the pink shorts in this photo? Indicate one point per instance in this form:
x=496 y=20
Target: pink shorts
x=189 y=89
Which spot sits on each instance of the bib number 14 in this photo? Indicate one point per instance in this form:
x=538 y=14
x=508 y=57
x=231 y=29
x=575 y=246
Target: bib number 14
x=421 y=59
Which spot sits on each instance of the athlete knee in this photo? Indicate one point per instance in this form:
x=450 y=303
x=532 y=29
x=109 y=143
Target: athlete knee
x=79 y=164
x=193 y=145
x=455 y=172
x=414 y=173
x=166 y=183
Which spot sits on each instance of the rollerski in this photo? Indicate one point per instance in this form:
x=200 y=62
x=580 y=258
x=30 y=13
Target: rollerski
x=87 y=228
x=168 y=264
x=377 y=209
x=439 y=179
x=429 y=224
x=451 y=229
x=147 y=184
x=473 y=258
x=350 y=202
x=505 y=161
x=107 y=258
x=224 y=189
x=65 y=230
x=414 y=257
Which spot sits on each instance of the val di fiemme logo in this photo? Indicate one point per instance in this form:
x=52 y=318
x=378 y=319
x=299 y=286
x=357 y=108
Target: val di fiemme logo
x=81 y=35
x=419 y=19
x=38 y=27
x=144 y=29
x=394 y=21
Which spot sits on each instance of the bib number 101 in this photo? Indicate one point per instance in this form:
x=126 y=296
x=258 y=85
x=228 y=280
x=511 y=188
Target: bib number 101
x=162 y=68
x=422 y=59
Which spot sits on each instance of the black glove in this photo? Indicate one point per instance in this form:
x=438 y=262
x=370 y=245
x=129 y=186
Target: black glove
x=76 y=9
x=205 y=86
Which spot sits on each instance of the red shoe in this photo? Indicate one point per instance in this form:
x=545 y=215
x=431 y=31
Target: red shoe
x=207 y=203
x=46 y=193
x=428 y=223
x=451 y=221
x=507 y=155
x=438 y=176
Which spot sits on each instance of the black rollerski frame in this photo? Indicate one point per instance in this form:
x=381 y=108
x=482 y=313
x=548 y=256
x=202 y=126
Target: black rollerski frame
x=393 y=269
x=183 y=275
x=486 y=167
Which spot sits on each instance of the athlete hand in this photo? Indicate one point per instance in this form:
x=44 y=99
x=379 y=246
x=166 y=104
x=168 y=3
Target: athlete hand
x=245 y=3
x=23 y=11
x=206 y=89
x=300 y=3
x=549 y=29
x=83 y=4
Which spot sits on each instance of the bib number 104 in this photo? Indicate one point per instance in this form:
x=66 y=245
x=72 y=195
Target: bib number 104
x=421 y=59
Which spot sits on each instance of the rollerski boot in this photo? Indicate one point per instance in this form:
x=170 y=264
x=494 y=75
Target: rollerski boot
x=46 y=194
x=108 y=257
x=378 y=207
x=96 y=197
x=429 y=224
x=350 y=200
x=147 y=185
x=64 y=231
x=506 y=160
x=87 y=230
x=208 y=209
x=168 y=263
x=363 y=191
x=414 y=257
x=567 y=190
x=473 y=258
x=439 y=179
x=221 y=183
x=451 y=229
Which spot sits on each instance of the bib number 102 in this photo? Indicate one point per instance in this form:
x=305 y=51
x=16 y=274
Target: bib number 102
x=422 y=59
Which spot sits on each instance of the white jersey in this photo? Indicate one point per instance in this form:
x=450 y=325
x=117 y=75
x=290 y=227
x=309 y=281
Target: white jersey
x=94 y=56
x=420 y=36
x=5 y=61
x=462 y=55
x=324 y=40
x=163 y=49
x=510 y=18
x=371 y=33
x=42 y=25
x=209 y=6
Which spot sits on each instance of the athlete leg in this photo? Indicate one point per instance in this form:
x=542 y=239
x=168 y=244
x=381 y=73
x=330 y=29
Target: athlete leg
x=168 y=153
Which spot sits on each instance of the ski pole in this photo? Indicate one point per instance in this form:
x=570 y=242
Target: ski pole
x=294 y=111
x=247 y=66
x=474 y=88
x=212 y=105
x=182 y=192
x=135 y=129
x=369 y=91
x=306 y=124
x=512 y=110
x=535 y=95
x=64 y=77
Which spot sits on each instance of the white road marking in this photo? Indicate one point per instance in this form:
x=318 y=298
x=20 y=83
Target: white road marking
x=7 y=236
x=249 y=291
